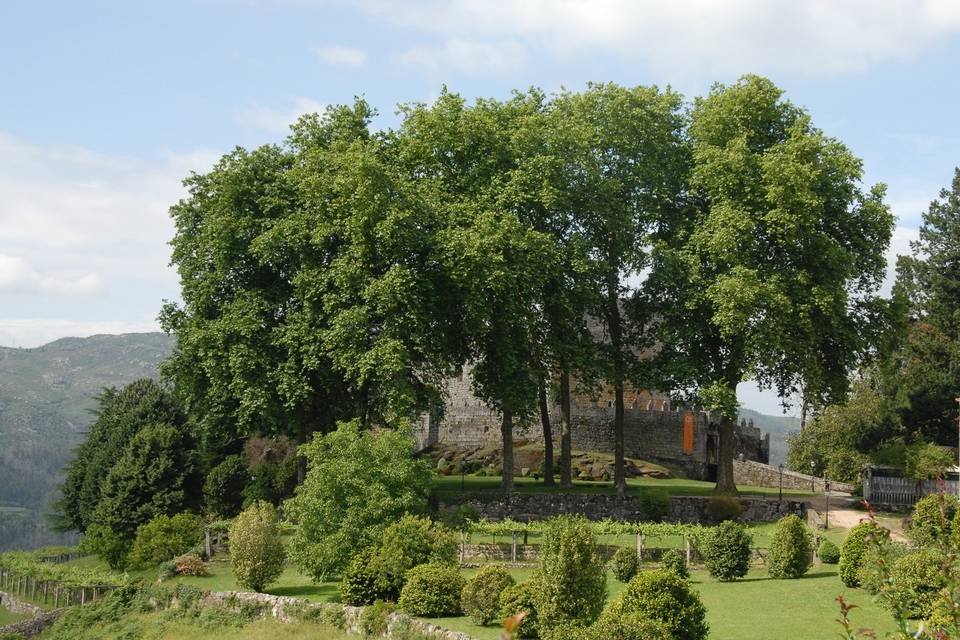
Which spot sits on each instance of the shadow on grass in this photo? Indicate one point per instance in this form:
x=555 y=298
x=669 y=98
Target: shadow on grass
x=319 y=592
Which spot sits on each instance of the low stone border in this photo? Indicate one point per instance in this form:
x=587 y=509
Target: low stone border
x=38 y=621
x=285 y=608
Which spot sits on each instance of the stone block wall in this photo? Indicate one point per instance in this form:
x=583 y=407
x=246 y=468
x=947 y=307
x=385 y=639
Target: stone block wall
x=756 y=474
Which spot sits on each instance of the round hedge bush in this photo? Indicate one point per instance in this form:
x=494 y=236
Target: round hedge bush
x=432 y=590
x=726 y=551
x=828 y=552
x=853 y=548
x=520 y=598
x=624 y=564
x=223 y=488
x=932 y=519
x=571 y=580
x=664 y=597
x=791 y=550
x=164 y=538
x=256 y=550
x=878 y=560
x=674 y=560
x=917 y=579
x=412 y=541
x=365 y=581
x=480 y=598
x=631 y=626
x=721 y=508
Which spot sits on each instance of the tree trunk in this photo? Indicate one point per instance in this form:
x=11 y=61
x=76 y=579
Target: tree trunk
x=803 y=413
x=616 y=344
x=725 y=454
x=566 y=455
x=506 y=432
x=547 y=437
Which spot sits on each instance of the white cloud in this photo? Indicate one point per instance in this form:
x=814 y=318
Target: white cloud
x=472 y=56
x=702 y=37
x=34 y=332
x=341 y=56
x=274 y=120
x=17 y=275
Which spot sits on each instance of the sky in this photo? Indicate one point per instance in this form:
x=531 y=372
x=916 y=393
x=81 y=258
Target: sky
x=106 y=106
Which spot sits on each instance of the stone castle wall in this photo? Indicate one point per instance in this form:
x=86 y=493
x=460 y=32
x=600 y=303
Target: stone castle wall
x=653 y=430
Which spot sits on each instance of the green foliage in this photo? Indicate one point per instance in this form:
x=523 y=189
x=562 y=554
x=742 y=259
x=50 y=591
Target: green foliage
x=121 y=414
x=629 y=626
x=674 y=560
x=933 y=518
x=828 y=552
x=481 y=596
x=791 y=549
x=31 y=564
x=164 y=538
x=272 y=465
x=375 y=618
x=722 y=508
x=927 y=461
x=155 y=475
x=655 y=504
x=665 y=597
x=256 y=550
x=853 y=548
x=726 y=551
x=108 y=545
x=624 y=564
x=521 y=598
x=223 y=489
x=878 y=560
x=570 y=578
x=432 y=590
x=364 y=580
x=357 y=483
x=917 y=579
x=412 y=541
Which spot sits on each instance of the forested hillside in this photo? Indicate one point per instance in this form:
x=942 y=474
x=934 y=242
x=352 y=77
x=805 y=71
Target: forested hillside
x=46 y=395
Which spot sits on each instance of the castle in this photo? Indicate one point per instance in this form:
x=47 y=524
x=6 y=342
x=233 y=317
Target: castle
x=653 y=429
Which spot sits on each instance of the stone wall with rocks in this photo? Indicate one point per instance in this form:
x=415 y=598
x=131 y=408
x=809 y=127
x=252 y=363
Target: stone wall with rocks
x=286 y=609
x=684 y=509
x=756 y=474
x=33 y=626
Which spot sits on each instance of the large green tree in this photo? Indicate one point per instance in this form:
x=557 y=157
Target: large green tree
x=625 y=166
x=771 y=271
x=121 y=414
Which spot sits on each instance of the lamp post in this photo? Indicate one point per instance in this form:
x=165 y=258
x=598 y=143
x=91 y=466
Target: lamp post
x=958 y=445
x=781 y=481
x=813 y=476
x=826 y=495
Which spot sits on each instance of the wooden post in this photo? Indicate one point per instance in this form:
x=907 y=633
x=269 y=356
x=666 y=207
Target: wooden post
x=640 y=547
x=206 y=542
x=56 y=596
x=463 y=547
x=687 y=541
x=513 y=547
x=83 y=595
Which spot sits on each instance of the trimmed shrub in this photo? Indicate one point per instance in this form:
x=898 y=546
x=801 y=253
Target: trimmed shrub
x=655 y=504
x=520 y=598
x=110 y=546
x=412 y=541
x=674 y=560
x=828 y=552
x=726 y=551
x=481 y=596
x=722 y=508
x=877 y=563
x=667 y=598
x=571 y=584
x=223 y=488
x=165 y=538
x=624 y=564
x=375 y=618
x=932 y=519
x=630 y=626
x=190 y=564
x=791 y=550
x=917 y=579
x=365 y=581
x=432 y=590
x=256 y=550
x=853 y=548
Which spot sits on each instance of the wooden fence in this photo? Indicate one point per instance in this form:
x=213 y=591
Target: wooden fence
x=51 y=592
x=902 y=492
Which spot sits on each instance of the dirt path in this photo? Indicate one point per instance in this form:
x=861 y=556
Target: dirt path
x=843 y=513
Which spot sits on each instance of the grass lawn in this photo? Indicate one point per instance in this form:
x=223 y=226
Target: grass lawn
x=8 y=617
x=454 y=484
x=755 y=608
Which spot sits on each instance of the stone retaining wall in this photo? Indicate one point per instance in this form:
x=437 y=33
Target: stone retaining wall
x=32 y=626
x=683 y=509
x=757 y=474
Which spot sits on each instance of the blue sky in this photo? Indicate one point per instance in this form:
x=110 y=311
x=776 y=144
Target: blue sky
x=106 y=106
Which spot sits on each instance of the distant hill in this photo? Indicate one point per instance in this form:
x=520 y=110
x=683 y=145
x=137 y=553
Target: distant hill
x=46 y=398
x=779 y=427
